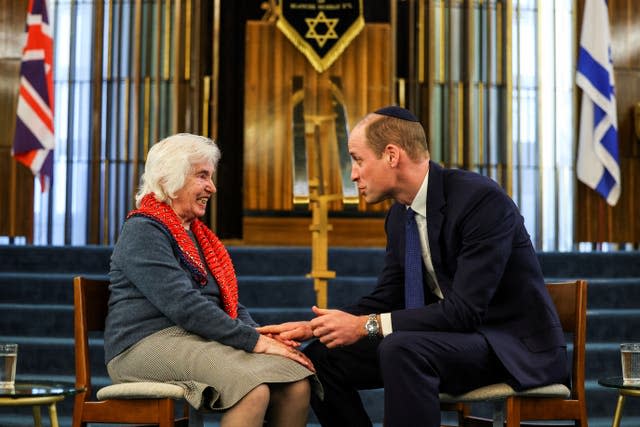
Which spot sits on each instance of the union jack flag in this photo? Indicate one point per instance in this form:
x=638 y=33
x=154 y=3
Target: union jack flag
x=33 y=143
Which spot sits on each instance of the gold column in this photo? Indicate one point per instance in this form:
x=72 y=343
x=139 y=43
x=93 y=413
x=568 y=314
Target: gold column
x=96 y=130
x=187 y=40
x=508 y=81
x=175 y=81
x=109 y=129
x=215 y=67
x=135 y=113
x=468 y=99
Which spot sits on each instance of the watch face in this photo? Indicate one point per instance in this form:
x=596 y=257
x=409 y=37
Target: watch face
x=372 y=326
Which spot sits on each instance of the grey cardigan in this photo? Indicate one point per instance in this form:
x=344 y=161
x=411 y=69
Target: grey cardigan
x=151 y=291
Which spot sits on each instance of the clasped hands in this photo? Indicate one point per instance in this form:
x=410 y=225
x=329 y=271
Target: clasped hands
x=334 y=328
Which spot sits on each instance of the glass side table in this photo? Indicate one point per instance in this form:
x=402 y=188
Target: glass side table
x=624 y=390
x=35 y=394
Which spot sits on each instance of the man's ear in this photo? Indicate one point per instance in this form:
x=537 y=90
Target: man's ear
x=392 y=154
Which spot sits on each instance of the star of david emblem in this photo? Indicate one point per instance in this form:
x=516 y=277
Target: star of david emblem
x=321 y=39
x=320 y=29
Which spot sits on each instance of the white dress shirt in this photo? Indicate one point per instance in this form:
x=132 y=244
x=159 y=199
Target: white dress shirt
x=419 y=205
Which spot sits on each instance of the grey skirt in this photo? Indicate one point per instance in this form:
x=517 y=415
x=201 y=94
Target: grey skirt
x=214 y=376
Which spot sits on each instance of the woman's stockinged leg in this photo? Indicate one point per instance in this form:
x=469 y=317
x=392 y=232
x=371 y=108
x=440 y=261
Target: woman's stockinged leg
x=289 y=405
x=250 y=410
x=282 y=405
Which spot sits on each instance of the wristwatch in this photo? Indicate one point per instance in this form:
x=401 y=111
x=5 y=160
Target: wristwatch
x=372 y=327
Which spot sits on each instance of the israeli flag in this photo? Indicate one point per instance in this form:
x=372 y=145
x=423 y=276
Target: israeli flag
x=598 y=164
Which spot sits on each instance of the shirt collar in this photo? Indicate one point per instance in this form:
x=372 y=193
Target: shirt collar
x=419 y=204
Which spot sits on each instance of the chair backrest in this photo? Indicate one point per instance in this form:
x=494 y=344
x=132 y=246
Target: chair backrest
x=91 y=298
x=570 y=299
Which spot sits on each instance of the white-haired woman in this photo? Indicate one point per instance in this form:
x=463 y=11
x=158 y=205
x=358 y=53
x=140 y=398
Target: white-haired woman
x=174 y=314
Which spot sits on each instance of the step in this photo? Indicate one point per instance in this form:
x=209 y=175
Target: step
x=283 y=291
x=55 y=259
x=590 y=264
x=55 y=320
x=603 y=360
x=613 y=292
x=25 y=287
x=602 y=401
x=613 y=325
x=47 y=356
x=287 y=297
x=263 y=291
x=296 y=261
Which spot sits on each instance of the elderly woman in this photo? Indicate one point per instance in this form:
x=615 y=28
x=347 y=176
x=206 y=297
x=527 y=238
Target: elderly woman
x=174 y=314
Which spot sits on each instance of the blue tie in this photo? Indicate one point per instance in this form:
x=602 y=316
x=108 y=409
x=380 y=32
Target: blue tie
x=413 y=290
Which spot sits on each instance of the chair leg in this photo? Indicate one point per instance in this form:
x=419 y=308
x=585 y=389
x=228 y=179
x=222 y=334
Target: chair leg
x=618 y=413
x=37 y=418
x=166 y=413
x=512 y=411
x=53 y=414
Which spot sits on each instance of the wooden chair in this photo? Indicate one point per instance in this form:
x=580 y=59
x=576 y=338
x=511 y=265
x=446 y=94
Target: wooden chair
x=553 y=402
x=129 y=403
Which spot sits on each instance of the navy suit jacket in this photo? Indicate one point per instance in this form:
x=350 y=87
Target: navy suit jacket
x=488 y=272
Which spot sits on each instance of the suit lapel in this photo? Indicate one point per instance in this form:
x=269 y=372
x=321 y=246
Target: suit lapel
x=435 y=216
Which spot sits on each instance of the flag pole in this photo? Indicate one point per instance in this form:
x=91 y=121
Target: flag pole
x=12 y=198
x=601 y=222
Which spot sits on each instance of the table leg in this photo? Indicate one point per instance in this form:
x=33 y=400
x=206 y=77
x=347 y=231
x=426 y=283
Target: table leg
x=37 y=419
x=618 y=414
x=53 y=414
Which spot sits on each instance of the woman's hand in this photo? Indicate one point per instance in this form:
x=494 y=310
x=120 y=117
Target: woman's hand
x=289 y=333
x=269 y=345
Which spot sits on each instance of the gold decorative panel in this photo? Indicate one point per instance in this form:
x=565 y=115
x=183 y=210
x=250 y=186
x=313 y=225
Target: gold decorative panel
x=297 y=120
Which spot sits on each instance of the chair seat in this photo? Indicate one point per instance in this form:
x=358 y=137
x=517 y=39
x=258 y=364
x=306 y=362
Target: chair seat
x=502 y=390
x=141 y=390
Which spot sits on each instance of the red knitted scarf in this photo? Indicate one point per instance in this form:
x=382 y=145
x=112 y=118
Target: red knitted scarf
x=216 y=256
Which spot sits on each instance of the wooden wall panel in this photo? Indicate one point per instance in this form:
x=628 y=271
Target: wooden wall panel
x=272 y=62
x=595 y=220
x=16 y=181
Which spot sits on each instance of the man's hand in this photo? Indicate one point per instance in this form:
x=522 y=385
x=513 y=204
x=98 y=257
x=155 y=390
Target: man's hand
x=335 y=328
x=289 y=333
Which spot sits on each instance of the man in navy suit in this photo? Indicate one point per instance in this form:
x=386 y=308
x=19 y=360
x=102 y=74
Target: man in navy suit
x=482 y=315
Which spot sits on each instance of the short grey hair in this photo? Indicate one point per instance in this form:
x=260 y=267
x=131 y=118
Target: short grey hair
x=170 y=161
